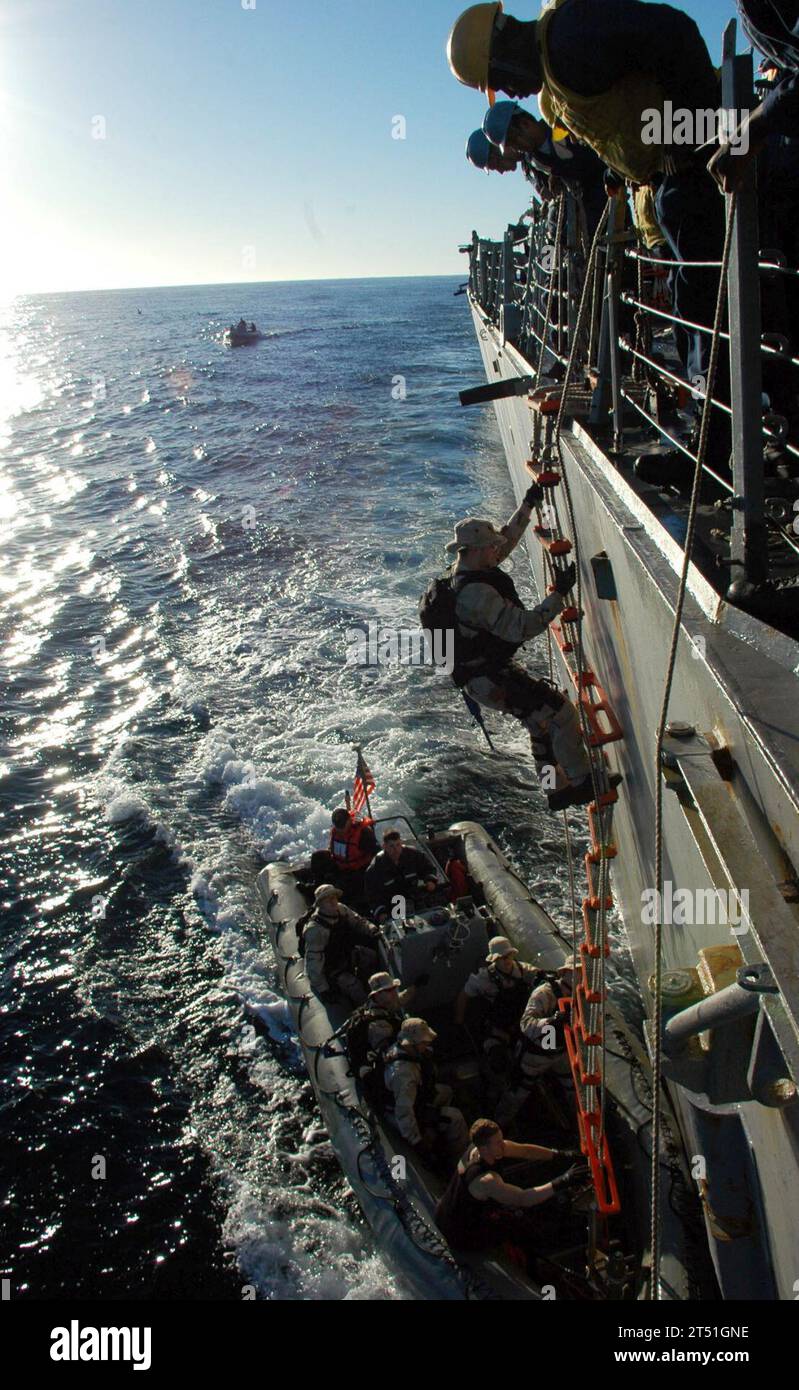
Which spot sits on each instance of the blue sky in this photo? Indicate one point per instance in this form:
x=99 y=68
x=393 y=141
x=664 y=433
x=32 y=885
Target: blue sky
x=241 y=143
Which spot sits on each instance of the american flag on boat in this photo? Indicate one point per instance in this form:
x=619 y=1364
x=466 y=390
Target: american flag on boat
x=364 y=784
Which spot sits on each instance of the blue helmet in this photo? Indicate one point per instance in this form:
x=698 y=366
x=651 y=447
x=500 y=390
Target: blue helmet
x=497 y=119
x=478 y=149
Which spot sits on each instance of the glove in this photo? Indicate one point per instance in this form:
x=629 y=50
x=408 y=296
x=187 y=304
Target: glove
x=565 y=579
x=572 y=1177
x=534 y=495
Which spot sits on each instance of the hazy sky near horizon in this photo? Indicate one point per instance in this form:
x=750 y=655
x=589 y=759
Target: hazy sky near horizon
x=157 y=142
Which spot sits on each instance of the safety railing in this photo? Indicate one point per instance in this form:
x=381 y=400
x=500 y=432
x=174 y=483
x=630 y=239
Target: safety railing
x=529 y=286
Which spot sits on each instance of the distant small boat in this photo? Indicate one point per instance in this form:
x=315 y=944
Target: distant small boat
x=236 y=336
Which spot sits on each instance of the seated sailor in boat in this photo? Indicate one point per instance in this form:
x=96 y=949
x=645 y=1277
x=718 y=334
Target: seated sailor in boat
x=351 y=849
x=480 y=1208
x=399 y=871
x=385 y=1009
x=504 y=985
x=373 y=1029
x=491 y=624
x=241 y=326
x=540 y=1049
x=339 y=947
x=419 y=1106
x=252 y=328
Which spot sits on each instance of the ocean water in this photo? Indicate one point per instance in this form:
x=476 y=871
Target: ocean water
x=189 y=534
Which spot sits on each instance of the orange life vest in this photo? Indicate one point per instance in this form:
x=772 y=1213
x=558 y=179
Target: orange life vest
x=345 y=845
x=459 y=882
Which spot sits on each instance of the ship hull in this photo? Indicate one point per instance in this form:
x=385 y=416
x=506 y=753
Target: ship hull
x=735 y=682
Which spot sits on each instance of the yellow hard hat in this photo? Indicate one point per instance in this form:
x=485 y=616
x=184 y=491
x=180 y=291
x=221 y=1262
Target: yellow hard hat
x=469 y=45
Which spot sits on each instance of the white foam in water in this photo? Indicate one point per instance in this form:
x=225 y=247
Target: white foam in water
x=306 y=1256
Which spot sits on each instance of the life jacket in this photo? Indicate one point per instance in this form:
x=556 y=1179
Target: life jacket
x=477 y=655
x=458 y=879
x=507 y=1006
x=345 y=845
x=459 y=1216
x=610 y=122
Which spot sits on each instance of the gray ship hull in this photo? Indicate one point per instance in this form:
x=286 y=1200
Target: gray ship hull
x=731 y=821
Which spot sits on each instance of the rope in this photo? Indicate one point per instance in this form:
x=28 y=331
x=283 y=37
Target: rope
x=579 y=653
x=553 y=274
x=657 y=1020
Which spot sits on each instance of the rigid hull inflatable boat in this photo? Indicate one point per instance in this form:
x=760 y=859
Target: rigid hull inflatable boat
x=396 y=1190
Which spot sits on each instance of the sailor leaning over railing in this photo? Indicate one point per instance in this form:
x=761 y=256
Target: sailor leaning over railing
x=610 y=74
x=517 y=137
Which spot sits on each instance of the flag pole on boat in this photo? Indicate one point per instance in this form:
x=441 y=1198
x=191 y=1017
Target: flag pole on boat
x=363 y=784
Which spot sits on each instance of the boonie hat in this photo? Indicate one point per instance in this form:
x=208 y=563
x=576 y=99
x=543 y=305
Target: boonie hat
x=473 y=531
x=382 y=980
x=415 y=1030
x=500 y=946
x=326 y=890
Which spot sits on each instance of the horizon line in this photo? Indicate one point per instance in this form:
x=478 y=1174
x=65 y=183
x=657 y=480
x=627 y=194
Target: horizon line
x=224 y=284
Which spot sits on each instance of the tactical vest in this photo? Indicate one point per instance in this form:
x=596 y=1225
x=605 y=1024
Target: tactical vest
x=340 y=946
x=359 y=1051
x=507 y=1006
x=532 y=1047
x=610 y=122
x=426 y=1094
x=483 y=653
x=459 y=1216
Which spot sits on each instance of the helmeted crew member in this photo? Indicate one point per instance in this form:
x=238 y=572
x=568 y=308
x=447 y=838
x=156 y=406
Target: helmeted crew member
x=772 y=26
x=483 y=155
x=338 y=946
x=598 y=66
x=515 y=132
x=491 y=624
x=479 y=1208
x=422 y=1109
x=505 y=983
x=399 y=871
x=540 y=1050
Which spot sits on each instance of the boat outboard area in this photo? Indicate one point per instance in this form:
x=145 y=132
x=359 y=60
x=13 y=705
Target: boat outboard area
x=241 y=334
x=429 y=957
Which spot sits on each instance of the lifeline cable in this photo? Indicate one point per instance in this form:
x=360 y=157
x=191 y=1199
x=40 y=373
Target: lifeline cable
x=657 y=1018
